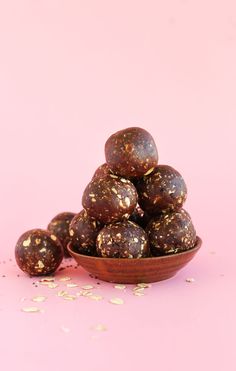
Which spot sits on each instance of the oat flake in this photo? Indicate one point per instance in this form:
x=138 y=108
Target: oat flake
x=120 y=287
x=39 y=299
x=117 y=301
x=30 y=309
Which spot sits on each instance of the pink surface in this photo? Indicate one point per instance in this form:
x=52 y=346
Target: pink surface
x=71 y=73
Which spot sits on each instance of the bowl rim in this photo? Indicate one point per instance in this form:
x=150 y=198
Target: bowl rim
x=163 y=257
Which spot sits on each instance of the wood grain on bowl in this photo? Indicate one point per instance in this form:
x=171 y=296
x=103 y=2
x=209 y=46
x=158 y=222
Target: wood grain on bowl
x=135 y=270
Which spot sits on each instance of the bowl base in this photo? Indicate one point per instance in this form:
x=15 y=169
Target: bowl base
x=133 y=271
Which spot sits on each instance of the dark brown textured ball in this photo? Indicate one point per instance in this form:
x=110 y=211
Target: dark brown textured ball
x=83 y=233
x=171 y=233
x=109 y=199
x=164 y=189
x=38 y=252
x=131 y=152
x=102 y=171
x=122 y=240
x=59 y=226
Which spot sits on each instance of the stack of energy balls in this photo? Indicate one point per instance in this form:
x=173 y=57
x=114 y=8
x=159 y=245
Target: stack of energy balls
x=132 y=208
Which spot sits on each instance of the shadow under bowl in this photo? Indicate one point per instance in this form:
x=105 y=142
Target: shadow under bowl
x=133 y=271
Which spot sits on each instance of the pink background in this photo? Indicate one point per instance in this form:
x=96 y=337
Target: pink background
x=72 y=73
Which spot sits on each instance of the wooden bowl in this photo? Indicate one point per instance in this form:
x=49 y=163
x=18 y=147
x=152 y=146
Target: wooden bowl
x=135 y=270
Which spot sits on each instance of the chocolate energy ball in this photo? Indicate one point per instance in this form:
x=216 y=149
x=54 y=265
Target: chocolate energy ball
x=122 y=240
x=38 y=252
x=109 y=199
x=140 y=217
x=102 y=171
x=171 y=233
x=164 y=189
x=83 y=233
x=131 y=152
x=59 y=226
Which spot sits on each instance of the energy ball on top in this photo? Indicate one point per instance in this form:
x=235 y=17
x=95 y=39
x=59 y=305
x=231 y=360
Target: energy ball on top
x=109 y=199
x=171 y=233
x=38 y=252
x=102 y=171
x=164 y=189
x=83 y=232
x=122 y=240
x=59 y=226
x=131 y=152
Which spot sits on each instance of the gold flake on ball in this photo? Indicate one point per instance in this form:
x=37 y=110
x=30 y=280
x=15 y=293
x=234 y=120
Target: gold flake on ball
x=40 y=264
x=149 y=171
x=27 y=242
